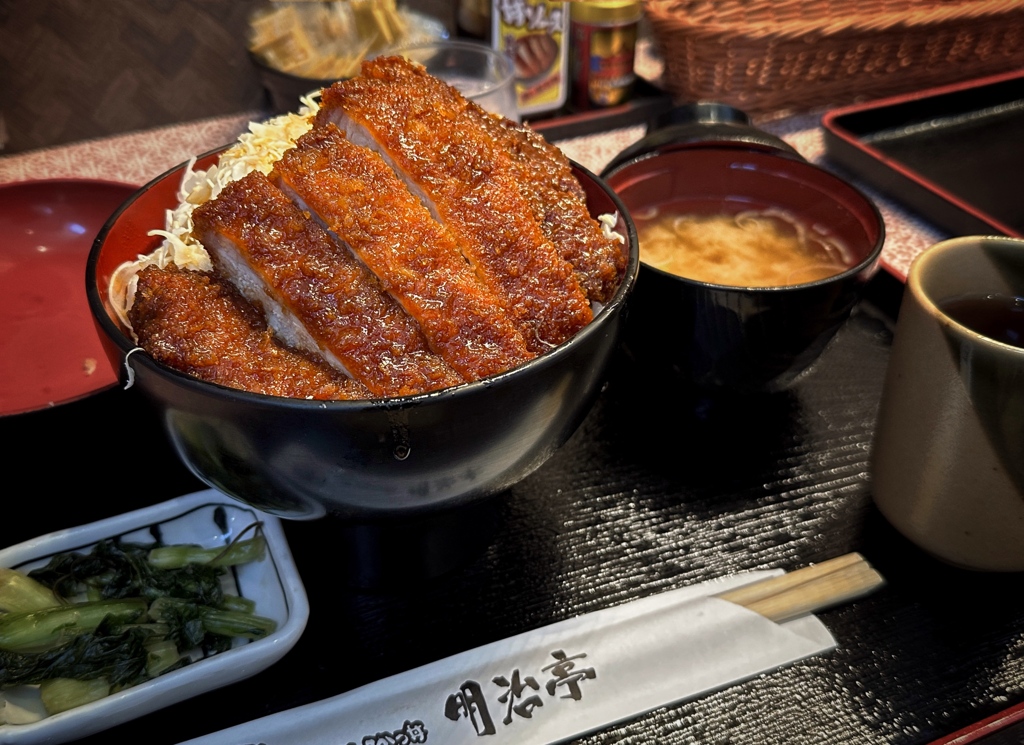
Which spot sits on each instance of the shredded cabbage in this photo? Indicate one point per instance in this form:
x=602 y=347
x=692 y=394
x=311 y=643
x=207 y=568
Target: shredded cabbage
x=258 y=149
x=608 y=221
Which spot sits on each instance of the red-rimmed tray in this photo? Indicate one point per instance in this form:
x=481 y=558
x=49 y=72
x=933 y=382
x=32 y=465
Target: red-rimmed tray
x=1004 y=728
x=951 y=154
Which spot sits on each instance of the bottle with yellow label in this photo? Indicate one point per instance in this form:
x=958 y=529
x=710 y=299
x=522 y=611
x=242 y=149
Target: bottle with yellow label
x=535 y=36
x=603 y=50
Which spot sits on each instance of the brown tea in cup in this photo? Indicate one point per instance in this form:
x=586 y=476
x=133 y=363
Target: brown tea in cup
x=997 y=315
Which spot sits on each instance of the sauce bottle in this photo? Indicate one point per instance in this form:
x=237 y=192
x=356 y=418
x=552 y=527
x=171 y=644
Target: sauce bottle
x=535 y=36
x=603 y=46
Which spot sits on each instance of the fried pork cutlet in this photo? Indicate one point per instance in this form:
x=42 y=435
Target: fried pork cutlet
x=468 y=183
x=367 y=209
x=316 y=295
x=564 y=217
x=545 y=179
x=199 y=324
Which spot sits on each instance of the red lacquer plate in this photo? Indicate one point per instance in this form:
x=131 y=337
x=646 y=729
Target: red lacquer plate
x=50 y=352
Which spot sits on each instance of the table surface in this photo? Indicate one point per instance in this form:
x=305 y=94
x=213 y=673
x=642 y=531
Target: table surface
x=656 y=490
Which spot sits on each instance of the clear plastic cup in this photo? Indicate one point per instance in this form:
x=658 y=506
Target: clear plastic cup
x=482 y=74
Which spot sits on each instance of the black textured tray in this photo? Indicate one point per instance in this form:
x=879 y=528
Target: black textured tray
x=656 y=491
x=954 y=154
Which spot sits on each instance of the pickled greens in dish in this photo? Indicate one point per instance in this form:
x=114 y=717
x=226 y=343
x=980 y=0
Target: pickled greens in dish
x=91 y=623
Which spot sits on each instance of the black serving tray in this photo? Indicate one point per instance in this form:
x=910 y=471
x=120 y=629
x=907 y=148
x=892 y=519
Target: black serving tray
x=954 y=154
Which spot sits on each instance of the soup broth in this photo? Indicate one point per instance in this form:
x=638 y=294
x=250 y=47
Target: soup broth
x=737 y=244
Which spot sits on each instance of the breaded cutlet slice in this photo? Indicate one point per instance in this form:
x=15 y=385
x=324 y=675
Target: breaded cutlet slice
x=461 y=174
x=361 y=202
x=316 y=295
x=198 y=324
x=545 y=179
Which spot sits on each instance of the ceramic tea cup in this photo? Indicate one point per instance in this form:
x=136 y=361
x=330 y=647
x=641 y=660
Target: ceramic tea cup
x=947 y=463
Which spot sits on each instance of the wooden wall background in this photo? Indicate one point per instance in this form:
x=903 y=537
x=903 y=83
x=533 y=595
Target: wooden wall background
x=77 y=69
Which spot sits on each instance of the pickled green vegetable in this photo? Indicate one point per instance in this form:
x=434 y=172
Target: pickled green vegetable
x=88 y=624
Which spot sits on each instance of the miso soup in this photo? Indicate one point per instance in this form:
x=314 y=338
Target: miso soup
x=737 y=244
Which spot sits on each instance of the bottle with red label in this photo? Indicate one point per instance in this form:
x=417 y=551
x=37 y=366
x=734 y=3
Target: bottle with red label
x=603 y=44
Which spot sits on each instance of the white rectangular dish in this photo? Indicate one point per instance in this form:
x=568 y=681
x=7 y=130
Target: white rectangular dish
x=208 y=518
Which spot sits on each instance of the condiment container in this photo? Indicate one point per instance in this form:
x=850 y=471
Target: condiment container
x=535 y=36
x=603 y=46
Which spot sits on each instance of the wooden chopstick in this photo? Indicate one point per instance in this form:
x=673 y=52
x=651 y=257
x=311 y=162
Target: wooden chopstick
x=809 y=589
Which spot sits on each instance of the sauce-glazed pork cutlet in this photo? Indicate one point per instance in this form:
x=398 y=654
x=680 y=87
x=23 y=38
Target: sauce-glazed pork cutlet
x=354 y=193
x=561 y=213
x=545 y=179
x=200 y=325
x=468 y=183
x=317 y=297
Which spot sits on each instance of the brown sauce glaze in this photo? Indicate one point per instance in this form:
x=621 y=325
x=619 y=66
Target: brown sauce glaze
x=469 y=183
x=359 y=198
x=334 y=296
x=546 y=181
x=200 y=325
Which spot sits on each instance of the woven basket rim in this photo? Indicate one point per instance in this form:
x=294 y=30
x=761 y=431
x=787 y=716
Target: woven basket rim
x=763 y=22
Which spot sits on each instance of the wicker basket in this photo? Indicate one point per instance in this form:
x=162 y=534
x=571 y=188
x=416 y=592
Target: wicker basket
x=797 y=55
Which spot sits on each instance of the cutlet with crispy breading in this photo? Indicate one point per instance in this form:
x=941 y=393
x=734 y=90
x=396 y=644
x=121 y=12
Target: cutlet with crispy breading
x=469 y=184
x=200 y=325
x=548 y=184
x=316 y=295
x=546 y=180
x=360 y=200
